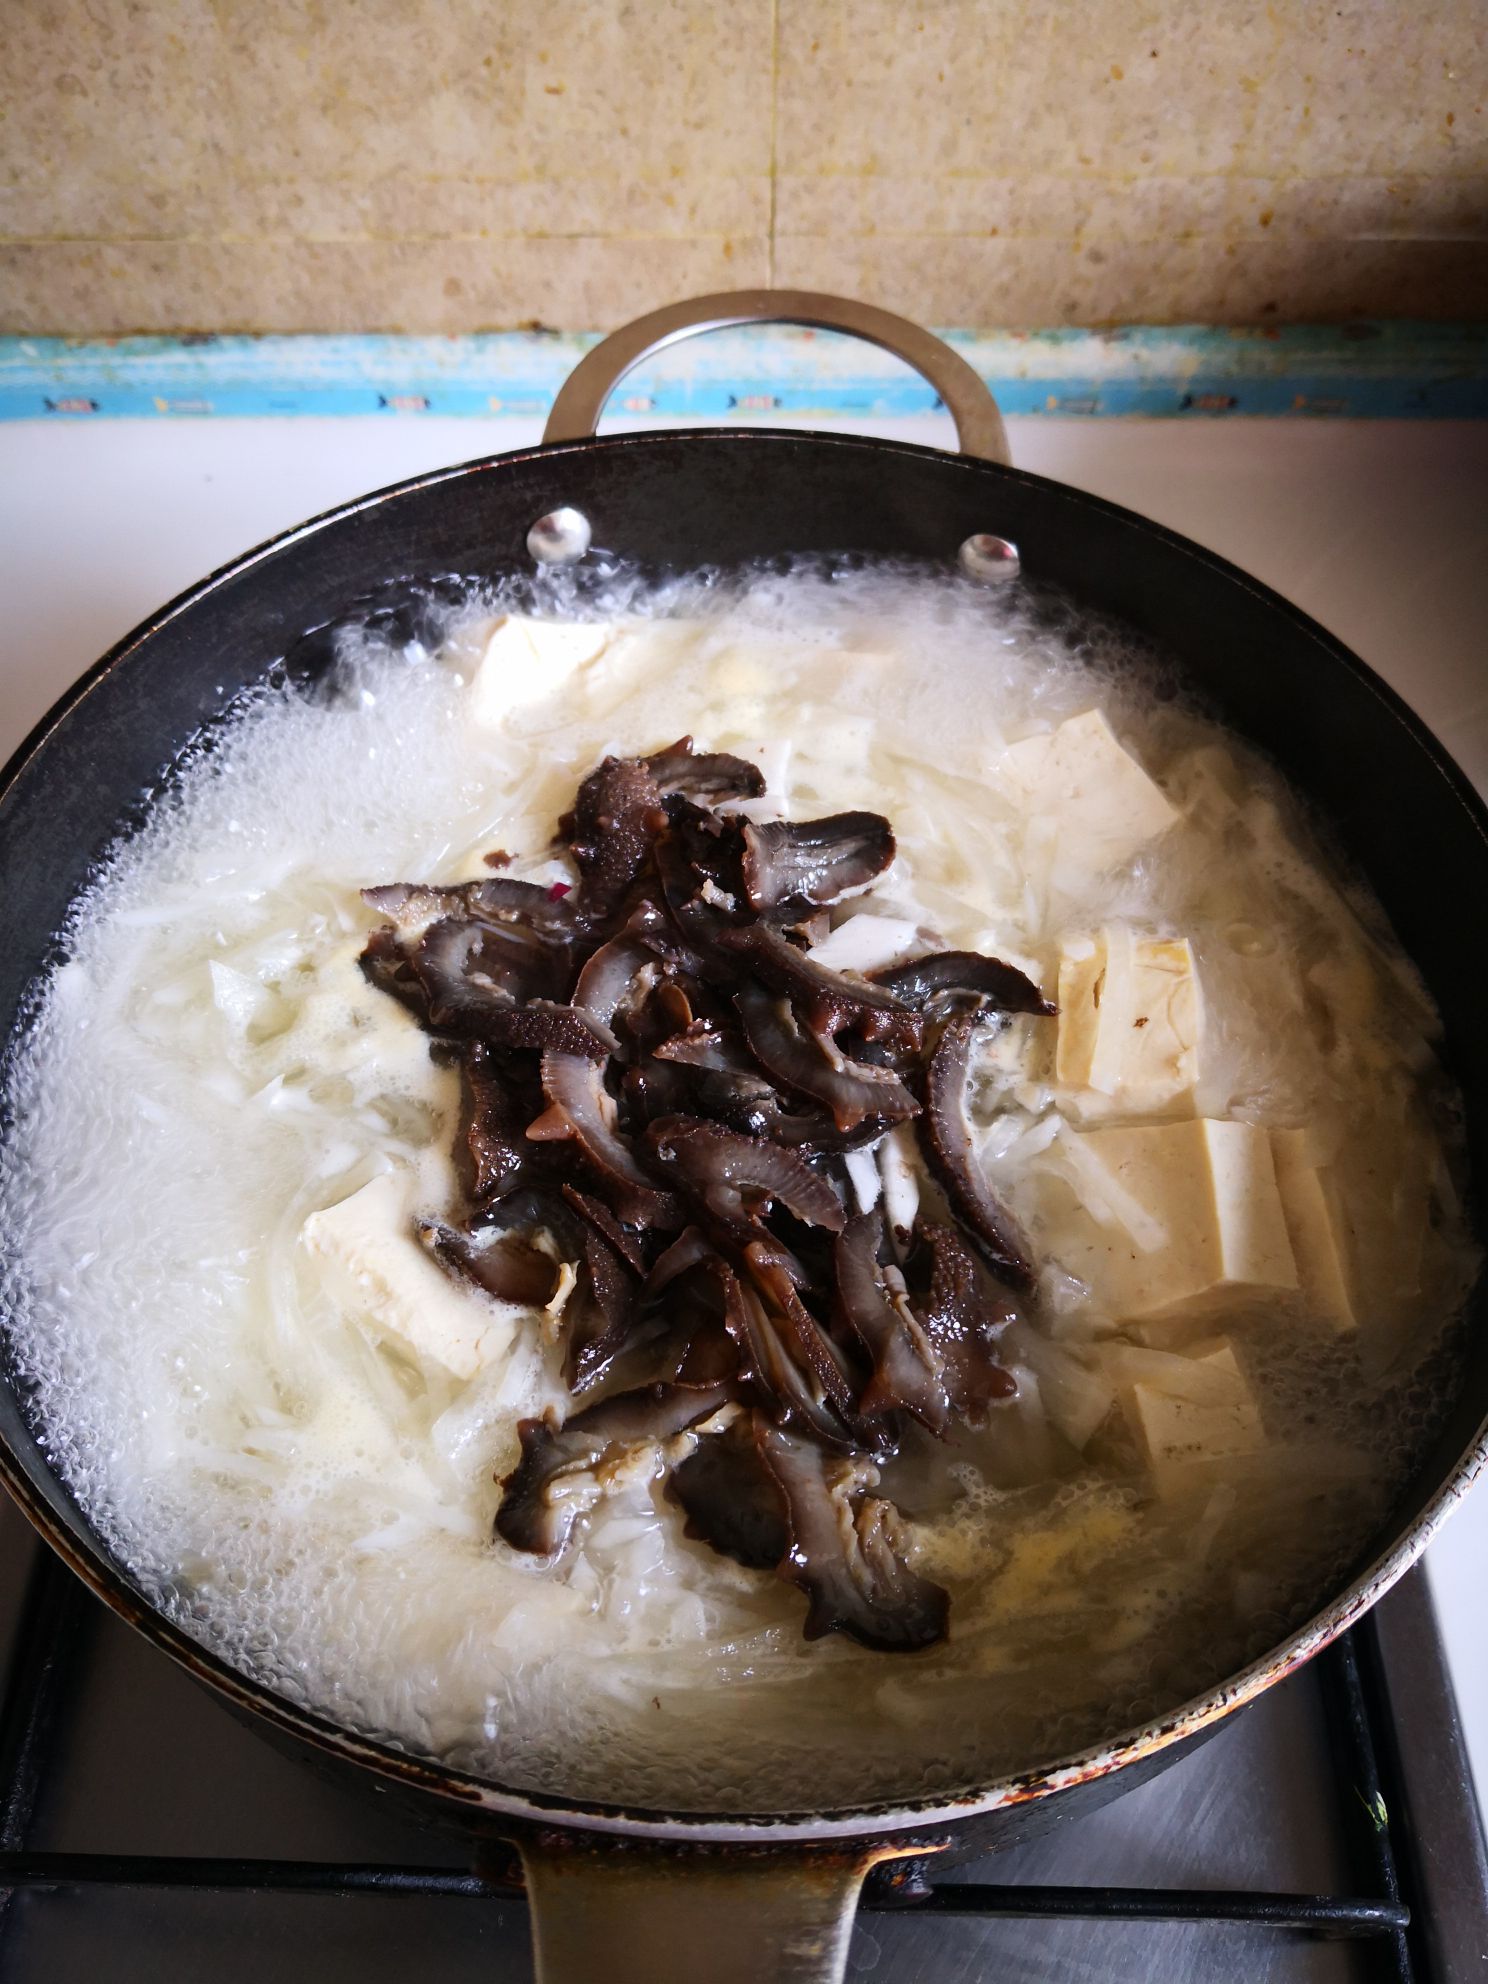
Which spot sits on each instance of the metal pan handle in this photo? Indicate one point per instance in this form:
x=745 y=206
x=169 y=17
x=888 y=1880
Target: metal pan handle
x=577 y=409
x=639 y=1913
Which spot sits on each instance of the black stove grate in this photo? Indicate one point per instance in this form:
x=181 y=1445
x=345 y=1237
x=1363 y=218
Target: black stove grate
x=1385 y=1908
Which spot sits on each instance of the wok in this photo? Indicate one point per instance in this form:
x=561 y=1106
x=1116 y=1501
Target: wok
x=635 y=1894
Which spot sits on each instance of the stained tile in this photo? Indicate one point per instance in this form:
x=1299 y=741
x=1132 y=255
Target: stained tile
x=448 y=164
x=109 y=118
x=574 y=110
x=108 y=288
x=1013 y=87
x=1376 y=88
x=1361 y=207
x=403 y=206
x=1047 y=206
x=959 y=281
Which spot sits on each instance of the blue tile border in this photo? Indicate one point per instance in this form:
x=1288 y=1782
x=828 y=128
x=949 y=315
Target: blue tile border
x=1367 y=370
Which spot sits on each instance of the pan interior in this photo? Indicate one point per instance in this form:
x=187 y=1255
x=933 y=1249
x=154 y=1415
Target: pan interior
x=360 y=814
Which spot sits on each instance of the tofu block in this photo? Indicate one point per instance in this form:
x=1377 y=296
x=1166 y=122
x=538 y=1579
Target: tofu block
x=1187 y=1216
x=746 y=669
x=835 y=739
x=1104 y=802
x=347 y=1027
x=526 y=661
x=1130 y=1014
x=1204 y=1412
x=1318 y=1235
x=1381 y=1186
x=371 y=1262
x=1411 y=1222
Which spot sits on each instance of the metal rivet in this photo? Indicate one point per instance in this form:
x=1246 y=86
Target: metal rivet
x=989 y=558
x=559 y=538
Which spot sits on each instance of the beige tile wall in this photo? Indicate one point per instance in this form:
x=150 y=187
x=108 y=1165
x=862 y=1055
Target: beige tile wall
x=448 y=165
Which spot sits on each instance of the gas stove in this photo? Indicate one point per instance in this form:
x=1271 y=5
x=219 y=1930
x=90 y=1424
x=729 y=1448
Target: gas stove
x=1329 y=1832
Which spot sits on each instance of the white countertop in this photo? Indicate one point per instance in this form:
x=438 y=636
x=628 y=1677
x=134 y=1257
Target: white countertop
x=1377 y=528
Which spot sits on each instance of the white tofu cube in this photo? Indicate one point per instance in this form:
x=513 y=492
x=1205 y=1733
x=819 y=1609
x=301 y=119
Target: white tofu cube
x=526 y=661
x=1105 y=804
x=1130 y=1015
x=756 y=664
x=372 y=1264
x=1202 y=1410
x=1381 y=1186
x=1318 y=1235
x=1186 y=1216
x=835 y=738
x=350 y=1028
x=746 y=669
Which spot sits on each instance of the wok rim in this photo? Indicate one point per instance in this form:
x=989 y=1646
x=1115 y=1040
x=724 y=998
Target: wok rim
x=482 y=1799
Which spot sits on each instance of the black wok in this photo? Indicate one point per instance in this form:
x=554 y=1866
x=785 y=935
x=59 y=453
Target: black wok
x=643 y=1894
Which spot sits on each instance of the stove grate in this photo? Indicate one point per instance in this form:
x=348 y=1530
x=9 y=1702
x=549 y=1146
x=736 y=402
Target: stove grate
x=54 y=1620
